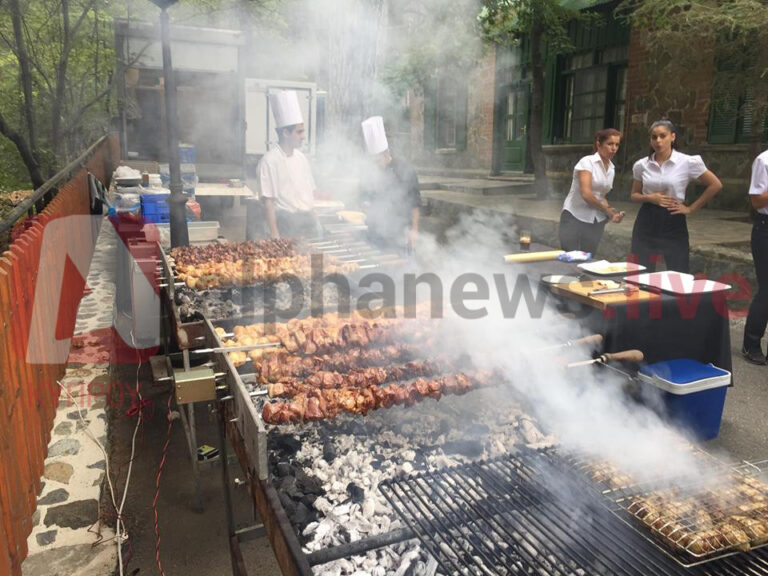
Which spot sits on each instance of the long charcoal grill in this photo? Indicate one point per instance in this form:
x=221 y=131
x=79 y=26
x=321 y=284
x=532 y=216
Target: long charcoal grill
x=530 y=514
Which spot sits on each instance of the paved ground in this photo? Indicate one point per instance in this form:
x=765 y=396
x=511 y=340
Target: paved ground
x=71 y=533
x=195 y=541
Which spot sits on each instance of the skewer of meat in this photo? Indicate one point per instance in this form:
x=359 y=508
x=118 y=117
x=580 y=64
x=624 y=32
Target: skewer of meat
x=320 y=404
x=278 y=366
x=362 y=378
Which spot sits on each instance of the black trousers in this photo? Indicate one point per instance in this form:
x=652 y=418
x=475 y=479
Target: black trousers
x=577 y=235
x=758 y=309
x=297 y=224
x=656 y=234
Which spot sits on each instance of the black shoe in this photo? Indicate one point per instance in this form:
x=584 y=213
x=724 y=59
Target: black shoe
x=753 y=356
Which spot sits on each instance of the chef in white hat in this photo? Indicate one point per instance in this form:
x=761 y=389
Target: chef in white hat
x=390 y=194
x=285 y=177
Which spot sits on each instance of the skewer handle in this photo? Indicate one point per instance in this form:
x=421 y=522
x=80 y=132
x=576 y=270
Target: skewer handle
x=591 y=339
x=632 y=356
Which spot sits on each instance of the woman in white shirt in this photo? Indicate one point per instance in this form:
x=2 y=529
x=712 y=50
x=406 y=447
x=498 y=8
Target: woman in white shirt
x=660 y=182
x=586 y=210
x=757 y=320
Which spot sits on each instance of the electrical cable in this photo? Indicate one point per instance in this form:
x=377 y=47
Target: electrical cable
x=101 y=447
x=139 y=419
x=157 y=486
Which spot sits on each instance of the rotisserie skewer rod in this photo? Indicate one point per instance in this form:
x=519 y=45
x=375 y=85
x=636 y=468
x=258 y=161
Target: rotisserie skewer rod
x=584 y=341
x=361 y=378
x=237 y=348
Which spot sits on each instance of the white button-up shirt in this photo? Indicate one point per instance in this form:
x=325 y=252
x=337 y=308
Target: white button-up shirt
x=602 y=182
x=287 y=179
x=759 y=183
x=671 y=177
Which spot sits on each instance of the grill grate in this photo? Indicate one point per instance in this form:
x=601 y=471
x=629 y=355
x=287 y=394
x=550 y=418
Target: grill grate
x=694 y=521
x=527 y=514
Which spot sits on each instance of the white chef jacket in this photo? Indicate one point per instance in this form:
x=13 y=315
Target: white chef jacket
x=287 y=179
x=759 y=183
x=602 y=182
x=672 y=177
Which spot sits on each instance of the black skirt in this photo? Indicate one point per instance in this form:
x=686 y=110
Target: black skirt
x=659 y=234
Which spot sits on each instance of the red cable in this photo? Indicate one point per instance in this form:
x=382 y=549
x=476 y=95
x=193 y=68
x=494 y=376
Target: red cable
x=157 y=487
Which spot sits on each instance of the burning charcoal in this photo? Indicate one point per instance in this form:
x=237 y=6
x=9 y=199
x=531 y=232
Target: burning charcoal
x=302 y=516
x=283 y=469
x=329 y=451
x=285 y=443
x=470 y=448
x=344 y=535
x=309 y=484
x=475 y=429
x=288 y=504
x=288 y=486
x=356 y=494
x=309 y=499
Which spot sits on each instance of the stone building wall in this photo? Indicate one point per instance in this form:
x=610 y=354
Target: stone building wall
x=683 y=96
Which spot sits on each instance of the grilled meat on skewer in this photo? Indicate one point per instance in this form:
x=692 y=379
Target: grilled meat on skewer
x=310 y=340
x=320 y=404
x=362 y=378
x=280 y=365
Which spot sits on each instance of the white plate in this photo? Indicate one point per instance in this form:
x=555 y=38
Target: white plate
x=676 y=283
x=559 y=279
x=605 y=268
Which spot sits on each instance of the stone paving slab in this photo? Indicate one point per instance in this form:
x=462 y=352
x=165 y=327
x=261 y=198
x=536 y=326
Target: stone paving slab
x=69 y=536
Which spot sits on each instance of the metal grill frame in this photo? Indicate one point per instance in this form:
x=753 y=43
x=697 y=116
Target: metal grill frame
x=620 y=500
x=540 y=529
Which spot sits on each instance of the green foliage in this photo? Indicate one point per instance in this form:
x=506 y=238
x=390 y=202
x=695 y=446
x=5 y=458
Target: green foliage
x=70 y=72
x=431 y=35
x=72 y=64
x=507 y=22
x=13 y=174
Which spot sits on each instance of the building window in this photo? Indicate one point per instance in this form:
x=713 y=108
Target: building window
x=447 y=113
x=732 y=115
x=594 y=93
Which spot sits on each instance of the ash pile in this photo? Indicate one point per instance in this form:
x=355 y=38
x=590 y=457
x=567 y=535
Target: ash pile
x=327 y=473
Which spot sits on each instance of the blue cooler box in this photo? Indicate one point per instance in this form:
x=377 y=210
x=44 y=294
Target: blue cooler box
x=694 y=393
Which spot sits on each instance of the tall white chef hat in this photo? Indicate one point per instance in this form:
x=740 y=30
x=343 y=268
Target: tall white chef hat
x=285 y=108
x=375 y=135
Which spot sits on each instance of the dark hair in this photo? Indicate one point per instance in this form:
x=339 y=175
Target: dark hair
x=669 y=126
x=290 y=128
x=603 y=135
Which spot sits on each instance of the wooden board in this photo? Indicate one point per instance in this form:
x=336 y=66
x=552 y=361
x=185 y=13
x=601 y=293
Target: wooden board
x=580 y=291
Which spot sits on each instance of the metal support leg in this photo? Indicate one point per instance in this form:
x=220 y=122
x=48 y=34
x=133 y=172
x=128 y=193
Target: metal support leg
x=197 y=504
x=191 y=433
x=235 y=556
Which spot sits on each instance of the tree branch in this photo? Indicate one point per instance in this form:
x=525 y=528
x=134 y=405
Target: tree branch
x=24 y=151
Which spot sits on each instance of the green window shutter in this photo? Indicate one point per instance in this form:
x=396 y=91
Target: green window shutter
x=430 y=115
x=461 y=117
x=723 y=117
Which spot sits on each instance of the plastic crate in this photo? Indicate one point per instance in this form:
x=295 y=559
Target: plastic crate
x=157 y=218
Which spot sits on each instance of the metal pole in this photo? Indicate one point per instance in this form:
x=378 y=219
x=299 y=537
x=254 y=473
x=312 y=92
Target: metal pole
x=177 y=201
